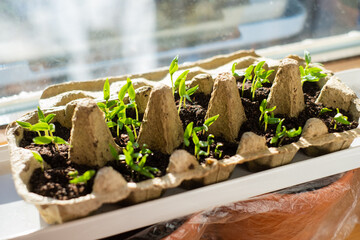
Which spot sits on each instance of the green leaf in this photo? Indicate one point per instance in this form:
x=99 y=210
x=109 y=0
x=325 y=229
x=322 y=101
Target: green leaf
x=314 y=70
x=307 y=57
x=258 y=69
x=52 y=127
x=111 y=124
x=101 y=105
x=180 y=78
x=248 y=72
x=146 y=173
x=174 y=65
x=42 y=140
x=73 y=174
x=188 y=131
x=106 y=90
x=131 y=90
x=203 y=144
x=302 y=71
x=122 y=92
x=274 y=140
x=195 y=138
x=114 y=152
x=200 y=128
x=263 y=105
x=210 y=139
x=111 y=103
x=191 y=91
x=24 y=124
x=182 y=89
x=49 y=118
x=186 y=142
x=341 y=119
x=130 y=134
x=83 y=178
x=293 y=132
x=40 y=114
x=324 y=110
x=211 y=120
x=38 y=157
x=202 y=153
x=41 y=126
x=59 y=140
x=279 y=126
x=272 y=120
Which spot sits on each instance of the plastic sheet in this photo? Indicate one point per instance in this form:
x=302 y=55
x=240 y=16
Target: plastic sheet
x=323 y=209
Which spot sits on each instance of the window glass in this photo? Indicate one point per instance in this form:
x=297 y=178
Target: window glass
x=44 y=42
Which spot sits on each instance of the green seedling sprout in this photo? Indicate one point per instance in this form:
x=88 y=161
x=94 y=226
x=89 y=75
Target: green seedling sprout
x=340 y=118
x=260 y=77
x=210 y=140
x=192 y=132
x=38 y=158
x=208 y=122
x=265 y=114
x=217 y=151
x=183 y=92
x=248 y=76
x=172 y=69
x=281 y=133
x=135 y=160
x=235 y=74
x=310 y=74
x=105 y=107
x=324 y=110
x=76 y=179
x=45 y=126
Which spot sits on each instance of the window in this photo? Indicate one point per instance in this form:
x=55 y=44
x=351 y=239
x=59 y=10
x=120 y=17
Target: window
x=48 y=42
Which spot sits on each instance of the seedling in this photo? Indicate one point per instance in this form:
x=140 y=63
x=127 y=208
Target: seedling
x=281 y=133
x=172 y=69
x=208 y=122
x=45 y=126
x=192 y=132
x=324 y=110
x=248 y=76
x=105 y=107
x=38 y=158
x=217 y=151
x=135 y=160
x=260 y=77
x=265 y=114
x=310 y=74
x=183 y=92
x=76 y=179
x=340 y=118
x=235 y=74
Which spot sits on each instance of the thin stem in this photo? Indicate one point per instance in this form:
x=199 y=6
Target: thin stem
x=180 y=102
x=172 y=84
x=134 y=131
x=137 y=113
x=243 y=86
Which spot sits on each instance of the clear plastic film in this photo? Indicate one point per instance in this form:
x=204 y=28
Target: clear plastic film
x=323 y=209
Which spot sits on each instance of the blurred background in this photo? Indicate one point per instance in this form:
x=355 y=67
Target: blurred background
x=44 y=42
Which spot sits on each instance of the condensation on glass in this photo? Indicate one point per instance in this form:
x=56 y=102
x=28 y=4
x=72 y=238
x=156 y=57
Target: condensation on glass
x=46 y=42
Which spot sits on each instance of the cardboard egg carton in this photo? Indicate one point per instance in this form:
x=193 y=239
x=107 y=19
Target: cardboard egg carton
x=74 y=104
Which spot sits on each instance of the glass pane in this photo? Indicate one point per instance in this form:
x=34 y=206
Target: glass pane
x=44 y=42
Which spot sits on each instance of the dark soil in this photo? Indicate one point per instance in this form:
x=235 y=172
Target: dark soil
x=194 y=111
x=312 y=109
x=53 y=181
